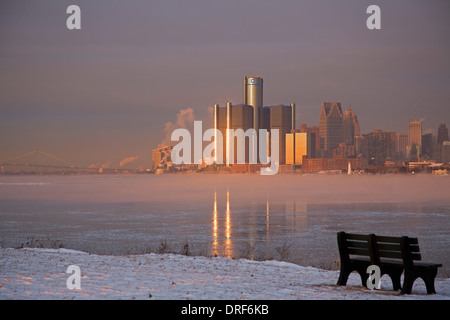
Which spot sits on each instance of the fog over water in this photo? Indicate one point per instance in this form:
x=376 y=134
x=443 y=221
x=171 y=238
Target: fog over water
x=290 y=217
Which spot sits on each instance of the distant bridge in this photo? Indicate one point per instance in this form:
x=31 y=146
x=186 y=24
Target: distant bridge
x=61 y=163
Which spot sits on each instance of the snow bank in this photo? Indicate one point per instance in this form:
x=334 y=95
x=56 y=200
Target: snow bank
x=41 y=274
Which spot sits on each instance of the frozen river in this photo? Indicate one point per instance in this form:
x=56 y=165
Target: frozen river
x=289 y=217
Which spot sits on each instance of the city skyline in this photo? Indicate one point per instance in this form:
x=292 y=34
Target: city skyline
x=335 y=144
x=106 y=92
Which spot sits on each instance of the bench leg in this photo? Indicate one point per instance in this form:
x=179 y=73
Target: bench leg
x=428 y=278
x=408 y=282
x=347 y=269
x=343 y=276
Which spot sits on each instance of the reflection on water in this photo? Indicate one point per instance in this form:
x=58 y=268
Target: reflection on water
x=216 y=241
x=267 y=217
x=295 y=218
x=241 y=228
x=296 y=215
x=215 y=228
x=228 y=244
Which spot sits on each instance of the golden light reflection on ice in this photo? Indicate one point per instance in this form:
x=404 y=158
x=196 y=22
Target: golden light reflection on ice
x=294 y=217
x=228 y=245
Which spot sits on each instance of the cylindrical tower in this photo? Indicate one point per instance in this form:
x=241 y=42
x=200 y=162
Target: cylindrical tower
x=253 y=96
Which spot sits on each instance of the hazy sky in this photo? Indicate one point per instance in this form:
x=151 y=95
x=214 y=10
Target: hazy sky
x=106 y=92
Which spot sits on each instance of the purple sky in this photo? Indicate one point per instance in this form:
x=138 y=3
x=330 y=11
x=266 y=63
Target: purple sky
x=105 y=92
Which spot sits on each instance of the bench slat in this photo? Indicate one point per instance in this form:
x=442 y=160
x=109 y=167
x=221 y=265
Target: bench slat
x=396 y=247
x=359 y=251
x=414 y=248
x=416 y=256
x=389 y=246
x=390 y=254
x=397 y=255
x=389 y=239
x=357 y=244
x=353 y=236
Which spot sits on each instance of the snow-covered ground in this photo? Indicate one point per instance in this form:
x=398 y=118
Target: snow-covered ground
x=33 y=273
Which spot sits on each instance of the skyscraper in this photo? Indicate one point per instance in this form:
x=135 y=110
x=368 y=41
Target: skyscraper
x=281 y=118
x=402 y=144
x=442 y=134
x=233 y=117
x=315 y=130
x=298 y=145
x=442 y=152
x=330 y=128
x=414 y=140
x=264 y=118
x=415 y=132
x=253 y=96
x=252 y=114
x=381 y=146
x=351 y=127
x=427 y=146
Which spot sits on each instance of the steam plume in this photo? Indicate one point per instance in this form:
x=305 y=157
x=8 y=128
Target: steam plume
x=128 y=160
x=185 y=119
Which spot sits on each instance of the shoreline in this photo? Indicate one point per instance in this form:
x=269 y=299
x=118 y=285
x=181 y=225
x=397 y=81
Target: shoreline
x=39 y=274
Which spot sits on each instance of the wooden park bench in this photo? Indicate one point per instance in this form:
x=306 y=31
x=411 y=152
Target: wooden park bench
x=394 y=256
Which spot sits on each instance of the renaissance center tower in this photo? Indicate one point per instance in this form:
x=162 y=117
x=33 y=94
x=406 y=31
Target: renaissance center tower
x=253 y=96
